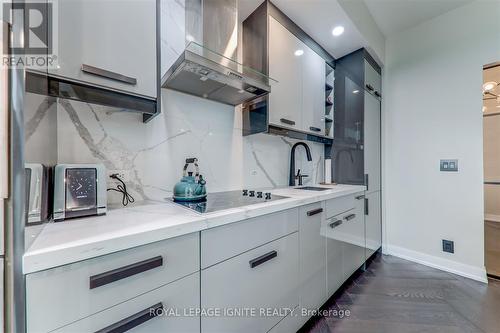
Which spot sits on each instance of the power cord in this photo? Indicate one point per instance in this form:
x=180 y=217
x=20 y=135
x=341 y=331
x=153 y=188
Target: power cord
x=122 y=188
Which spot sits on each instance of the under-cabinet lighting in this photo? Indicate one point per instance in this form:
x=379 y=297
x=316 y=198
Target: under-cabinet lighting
x=338 y=30
x=355 y=91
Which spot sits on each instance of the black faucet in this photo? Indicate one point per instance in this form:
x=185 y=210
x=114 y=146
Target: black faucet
x=292 y=178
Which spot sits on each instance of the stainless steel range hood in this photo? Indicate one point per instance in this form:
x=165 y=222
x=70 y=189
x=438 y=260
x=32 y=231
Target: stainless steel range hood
x=207 y=67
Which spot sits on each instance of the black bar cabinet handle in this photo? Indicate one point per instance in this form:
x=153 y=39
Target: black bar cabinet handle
x=359 y=197
x=124 y=272
x=287 y=121
x=335 y=224
x=366 y=181
x=376 y=93
x=315 y=129
x=262 y=259
x=369 y=87
x=314 y=211
x=349 y=217
x=366 y=206
x=134 y=320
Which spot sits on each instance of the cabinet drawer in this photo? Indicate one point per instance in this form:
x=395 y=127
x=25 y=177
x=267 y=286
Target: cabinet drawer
x=345 y=245
x=143 y=314
x=78 y=290
x=227 y=241
x=348 y=229
x=312 y=257
x=343 y=204
x=272 y=283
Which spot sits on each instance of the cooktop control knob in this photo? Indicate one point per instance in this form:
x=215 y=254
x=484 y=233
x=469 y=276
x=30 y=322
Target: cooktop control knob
x=259 y=194
x=252 y=194
x=245 y=192
x=268 y=196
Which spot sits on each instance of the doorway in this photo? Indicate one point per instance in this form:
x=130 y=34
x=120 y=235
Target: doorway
x=491 y=156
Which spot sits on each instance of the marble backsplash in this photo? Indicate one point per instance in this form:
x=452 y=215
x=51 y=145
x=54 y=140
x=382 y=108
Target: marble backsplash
x=152 y=155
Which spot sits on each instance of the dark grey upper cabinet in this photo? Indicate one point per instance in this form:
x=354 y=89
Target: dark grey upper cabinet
x=357 y=77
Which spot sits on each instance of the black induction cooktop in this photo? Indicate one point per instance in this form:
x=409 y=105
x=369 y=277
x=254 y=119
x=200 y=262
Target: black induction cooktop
x=226 y=200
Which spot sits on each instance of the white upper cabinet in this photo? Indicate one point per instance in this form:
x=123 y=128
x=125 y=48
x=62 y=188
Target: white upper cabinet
x=285 y=63
x=108 y=43
x=298 y=99
x=313 y=92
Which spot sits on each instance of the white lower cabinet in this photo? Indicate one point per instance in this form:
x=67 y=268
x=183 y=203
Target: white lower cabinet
x=78 y=290
x=373 y=221
x=334 y=263
x=143 y=314
x=345 y=244
x=256 y=275
x=352 y=233
x=312 y=257
x=263 y=280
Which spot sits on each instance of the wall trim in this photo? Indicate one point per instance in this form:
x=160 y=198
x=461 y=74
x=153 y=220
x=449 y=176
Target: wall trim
x=468 y=271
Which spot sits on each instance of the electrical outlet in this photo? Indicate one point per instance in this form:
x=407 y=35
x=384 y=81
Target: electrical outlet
x=122 y=174
x=448 y=246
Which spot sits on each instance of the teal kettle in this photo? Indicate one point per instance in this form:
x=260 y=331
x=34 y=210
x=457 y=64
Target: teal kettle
x=190 y=188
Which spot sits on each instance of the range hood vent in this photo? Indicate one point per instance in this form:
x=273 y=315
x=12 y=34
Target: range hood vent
x=206 y=68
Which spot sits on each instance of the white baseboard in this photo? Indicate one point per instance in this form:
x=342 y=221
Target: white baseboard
x=468 y=271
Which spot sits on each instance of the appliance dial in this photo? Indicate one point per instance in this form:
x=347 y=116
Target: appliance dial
x=259 y=194
x=268 y=196
x=245 y=192
x=252 y=194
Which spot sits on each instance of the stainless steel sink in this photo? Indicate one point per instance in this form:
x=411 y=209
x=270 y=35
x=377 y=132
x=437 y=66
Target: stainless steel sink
x=312 y=188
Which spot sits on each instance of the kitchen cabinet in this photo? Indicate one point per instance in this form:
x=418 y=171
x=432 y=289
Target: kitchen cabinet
x=356 y=151
x=298 y=99
x=372 y=142
x=285 y=100
x=373 y=223
x=75 y=291
x=312 y=257
x=345 y=237
x=108 y=44
x=353 y=235
x=224 y=242
x=313 y=92
x=296 y=106
x=143 y=314
x=263 y=278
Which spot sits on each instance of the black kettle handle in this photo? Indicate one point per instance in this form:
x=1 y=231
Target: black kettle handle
x=191 y=160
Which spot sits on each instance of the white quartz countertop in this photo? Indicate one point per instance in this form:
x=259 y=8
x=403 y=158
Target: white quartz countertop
x=75 y=240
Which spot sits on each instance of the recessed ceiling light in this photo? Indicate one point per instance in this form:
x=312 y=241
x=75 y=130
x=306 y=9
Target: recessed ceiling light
x=488 y=86
x=298 y=53
x=338 y=30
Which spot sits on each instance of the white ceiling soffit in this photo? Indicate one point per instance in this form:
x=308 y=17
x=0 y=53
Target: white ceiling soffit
x=393 y=16
x=318 y=18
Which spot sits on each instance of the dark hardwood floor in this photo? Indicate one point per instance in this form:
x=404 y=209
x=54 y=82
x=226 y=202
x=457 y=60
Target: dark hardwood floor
x=395 y=295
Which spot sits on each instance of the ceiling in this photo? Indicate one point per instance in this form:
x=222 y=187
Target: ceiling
x=317 y=18
x=393 y=16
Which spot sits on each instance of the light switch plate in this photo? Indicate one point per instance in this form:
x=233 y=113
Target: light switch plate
x=448 y=165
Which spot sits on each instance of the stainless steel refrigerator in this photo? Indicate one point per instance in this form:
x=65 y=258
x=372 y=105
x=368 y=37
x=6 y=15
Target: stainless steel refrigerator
x=12 y=190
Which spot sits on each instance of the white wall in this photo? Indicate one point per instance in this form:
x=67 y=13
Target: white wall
x=432 y=110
